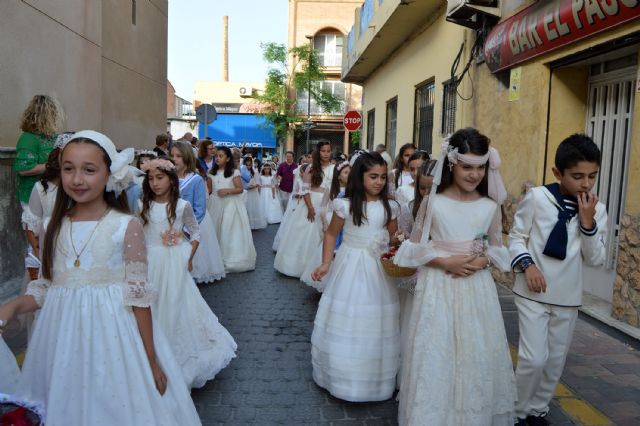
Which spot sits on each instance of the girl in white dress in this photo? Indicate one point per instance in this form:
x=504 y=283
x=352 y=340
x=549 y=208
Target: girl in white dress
x=200 y=344
x=401 y=175
x=458 y=369
x=207 y=262
x=253 y=200
x=304 y=233
x=337 y=190
x=293 y=203
x=230 y=215
x=95 y=357
x=355 y=344
x=269 y=195
x=406 y=193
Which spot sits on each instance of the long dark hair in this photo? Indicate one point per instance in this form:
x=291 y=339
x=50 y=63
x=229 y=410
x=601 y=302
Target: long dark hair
x=468 y=141
x=64 y=203
x=229 y=166
x=148 y=196
x=335 y=180
x=317 y=175
x=355 y=191
x=426 y=170
x=398 y=165
x=51 y=169
x=249 y=166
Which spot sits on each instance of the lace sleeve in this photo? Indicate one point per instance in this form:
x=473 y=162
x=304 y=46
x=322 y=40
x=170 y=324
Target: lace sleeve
x=418 y=250
x=38 y=290
x=405 y=219
x=496 y=251
x=138 y=291
x=305 y=186
x=190 y=222
x=340 y=207
x=32 y=215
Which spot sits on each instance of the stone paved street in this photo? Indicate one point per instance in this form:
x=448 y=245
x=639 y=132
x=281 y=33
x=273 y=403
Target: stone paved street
x=271 y=318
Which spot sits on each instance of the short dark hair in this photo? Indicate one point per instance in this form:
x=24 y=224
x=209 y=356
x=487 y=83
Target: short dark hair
x=577 y=147
x=290 y=152
x=161 y=139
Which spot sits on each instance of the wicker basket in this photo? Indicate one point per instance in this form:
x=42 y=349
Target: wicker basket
x=396 y=271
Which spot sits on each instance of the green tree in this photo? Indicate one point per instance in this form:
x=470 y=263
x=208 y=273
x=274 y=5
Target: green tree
x=290 y=72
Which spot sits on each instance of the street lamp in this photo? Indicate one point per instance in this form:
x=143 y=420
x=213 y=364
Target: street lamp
x=309 y=124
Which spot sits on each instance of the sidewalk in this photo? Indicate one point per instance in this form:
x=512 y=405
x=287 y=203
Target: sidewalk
x=600 y=384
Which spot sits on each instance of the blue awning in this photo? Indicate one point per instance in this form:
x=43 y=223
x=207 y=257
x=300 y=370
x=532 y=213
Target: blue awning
x=238 y=129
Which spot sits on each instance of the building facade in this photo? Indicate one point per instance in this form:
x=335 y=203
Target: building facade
x=537 y=71
x=105 y=61
x=324 y=24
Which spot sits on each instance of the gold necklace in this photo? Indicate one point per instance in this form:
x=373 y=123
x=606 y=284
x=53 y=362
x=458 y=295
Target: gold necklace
x=76 y=263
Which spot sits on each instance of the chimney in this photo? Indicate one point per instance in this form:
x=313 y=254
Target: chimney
x=225 y=48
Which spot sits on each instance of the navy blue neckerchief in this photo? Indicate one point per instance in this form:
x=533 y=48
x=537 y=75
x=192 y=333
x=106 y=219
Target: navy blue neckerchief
x=556 y=246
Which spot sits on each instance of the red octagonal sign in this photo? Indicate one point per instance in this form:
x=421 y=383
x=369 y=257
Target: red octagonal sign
x=352 y=121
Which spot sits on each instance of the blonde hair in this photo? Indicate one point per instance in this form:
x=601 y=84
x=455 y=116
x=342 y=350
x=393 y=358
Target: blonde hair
x=188 y=157
x=43 y=115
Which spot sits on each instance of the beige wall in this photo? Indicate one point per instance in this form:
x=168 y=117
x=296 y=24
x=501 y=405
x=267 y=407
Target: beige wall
x=108 y=74
x=308 y=17
x=428 y=56
x=207 y=91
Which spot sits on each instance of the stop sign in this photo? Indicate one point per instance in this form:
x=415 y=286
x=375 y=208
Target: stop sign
x=352 y=121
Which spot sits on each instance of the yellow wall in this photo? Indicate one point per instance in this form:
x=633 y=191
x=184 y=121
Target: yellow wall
x=207 y=91
x=632 y=204
x=428 y=55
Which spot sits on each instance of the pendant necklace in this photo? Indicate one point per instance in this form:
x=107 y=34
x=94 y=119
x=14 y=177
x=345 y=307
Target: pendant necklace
x=76 y=263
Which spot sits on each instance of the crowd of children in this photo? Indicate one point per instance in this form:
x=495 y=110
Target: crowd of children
x=96 y=356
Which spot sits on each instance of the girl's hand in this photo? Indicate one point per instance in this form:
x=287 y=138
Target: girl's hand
x=587 y=202
x=222 y=192
x=311 y=214
x=158 y=377
x=190 y=265
x=319 y=273
x=460 y=266
x=7 y=312
x=535 y=279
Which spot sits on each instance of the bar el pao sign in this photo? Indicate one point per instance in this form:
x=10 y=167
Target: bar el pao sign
x=548 y=25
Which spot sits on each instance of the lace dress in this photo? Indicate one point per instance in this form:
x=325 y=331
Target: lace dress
x=303 y=237
x=200 y=344
x=232 y=225
x=86 y=363
x=270 y=199
x=255 y=206
x=457 y=369
x=355 y=344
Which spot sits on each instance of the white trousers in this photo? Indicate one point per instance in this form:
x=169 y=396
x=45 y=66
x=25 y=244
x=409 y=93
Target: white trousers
x=284 y=198
x=545 y=338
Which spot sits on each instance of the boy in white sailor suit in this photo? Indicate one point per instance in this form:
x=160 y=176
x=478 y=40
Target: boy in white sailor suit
x=556 y=229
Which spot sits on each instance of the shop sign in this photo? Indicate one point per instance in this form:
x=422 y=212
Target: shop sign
x=549 y=25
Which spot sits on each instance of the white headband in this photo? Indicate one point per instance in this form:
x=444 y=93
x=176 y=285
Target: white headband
x=121 y=173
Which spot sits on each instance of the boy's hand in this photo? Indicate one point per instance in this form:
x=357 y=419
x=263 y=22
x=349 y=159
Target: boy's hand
x=535 y=279
x=587 y=202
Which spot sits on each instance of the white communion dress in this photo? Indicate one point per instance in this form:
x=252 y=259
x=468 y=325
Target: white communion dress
x=255 y=206
x=86 y=363
x=291 y=207
x=232 y=226
x=270 y=199
x=200 y=344
x=301 y=238
x=458 y=369
x=355 y=344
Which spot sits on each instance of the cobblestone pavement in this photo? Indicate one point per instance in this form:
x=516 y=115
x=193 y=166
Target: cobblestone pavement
x=271 y=318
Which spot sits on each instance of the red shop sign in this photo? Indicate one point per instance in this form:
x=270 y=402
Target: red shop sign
x=549 y=25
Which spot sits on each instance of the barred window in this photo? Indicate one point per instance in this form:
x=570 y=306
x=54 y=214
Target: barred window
x=423 y=116
x=449 y=98
x=392 y=122
x=371 y=126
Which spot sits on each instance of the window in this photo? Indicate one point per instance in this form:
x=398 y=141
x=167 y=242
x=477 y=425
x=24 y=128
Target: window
x=423 y=116
x=329 y=49
x=392 y=122
x=335 y=87
x=371 y=128
x=449 y=98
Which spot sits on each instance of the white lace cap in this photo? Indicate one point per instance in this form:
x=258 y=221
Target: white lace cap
x=121 y=172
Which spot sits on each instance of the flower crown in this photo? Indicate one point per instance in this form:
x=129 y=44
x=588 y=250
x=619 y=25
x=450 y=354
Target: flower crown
x=342 y=165
x=158 y=163
x=147 y=152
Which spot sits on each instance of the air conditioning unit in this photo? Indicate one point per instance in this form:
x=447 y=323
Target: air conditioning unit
x=472 y=13
x=245 y=91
